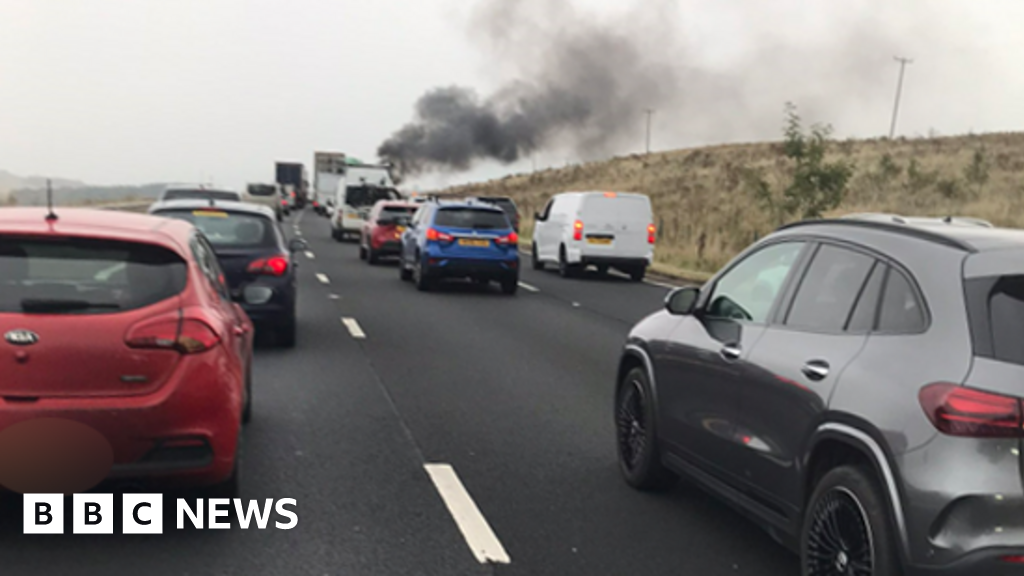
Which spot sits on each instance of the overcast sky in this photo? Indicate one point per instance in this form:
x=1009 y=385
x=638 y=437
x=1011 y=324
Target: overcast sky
x=135 y=91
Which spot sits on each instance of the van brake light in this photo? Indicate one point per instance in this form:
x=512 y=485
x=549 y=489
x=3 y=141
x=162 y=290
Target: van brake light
x=650 y=233
x=577 y=230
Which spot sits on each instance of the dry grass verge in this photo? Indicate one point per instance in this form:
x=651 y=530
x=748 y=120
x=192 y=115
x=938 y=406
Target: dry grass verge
x=706 y=212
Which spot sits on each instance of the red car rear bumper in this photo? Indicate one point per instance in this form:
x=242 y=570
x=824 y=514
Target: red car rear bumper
x=185 y=432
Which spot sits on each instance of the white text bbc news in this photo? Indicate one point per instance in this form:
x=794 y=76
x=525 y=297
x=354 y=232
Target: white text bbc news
x=143 y=514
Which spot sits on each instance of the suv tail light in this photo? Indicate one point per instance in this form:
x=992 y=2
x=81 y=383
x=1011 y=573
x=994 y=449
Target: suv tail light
x=511 y=240
x=187 y=336
x=650 y=233
x=434 y=235
x=273 y=266
x=577 y=230
x=959 y=411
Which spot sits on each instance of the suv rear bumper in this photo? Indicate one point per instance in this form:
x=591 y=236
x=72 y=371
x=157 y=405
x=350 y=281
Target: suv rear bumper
x=987 y=562
x=439 y=267
x=614 y=261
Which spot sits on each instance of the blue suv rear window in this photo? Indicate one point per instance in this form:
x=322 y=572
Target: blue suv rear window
x=474 y=218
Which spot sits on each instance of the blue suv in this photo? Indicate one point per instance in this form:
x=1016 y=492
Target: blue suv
x=460 y=240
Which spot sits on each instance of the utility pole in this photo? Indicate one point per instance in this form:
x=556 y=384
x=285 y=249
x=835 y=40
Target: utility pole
x=899 y=91
x=649 y=112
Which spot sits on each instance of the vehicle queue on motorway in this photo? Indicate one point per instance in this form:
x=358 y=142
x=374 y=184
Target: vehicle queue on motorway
x=853 y=384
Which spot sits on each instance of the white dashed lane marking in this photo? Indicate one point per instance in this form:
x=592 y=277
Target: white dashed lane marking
x=482 y=541
x=323 y=278
x=526 y=286
x=310 y=255
x=353 y=328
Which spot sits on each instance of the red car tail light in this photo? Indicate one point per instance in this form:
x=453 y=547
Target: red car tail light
x=187 y=336
x=959 y=411
x=511 y=240
x=434 y=235
x=273 y=266
x=284 y=202
x=577 y=230
x=650 y=233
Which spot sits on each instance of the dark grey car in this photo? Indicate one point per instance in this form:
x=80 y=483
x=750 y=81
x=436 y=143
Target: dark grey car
x=853 y=386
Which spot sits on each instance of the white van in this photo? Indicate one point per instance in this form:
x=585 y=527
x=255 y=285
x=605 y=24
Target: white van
x=355 y=197
x=603 y=229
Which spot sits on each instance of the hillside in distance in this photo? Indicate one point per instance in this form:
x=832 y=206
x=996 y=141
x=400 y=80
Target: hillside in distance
x=10 y=182
x=706 y=210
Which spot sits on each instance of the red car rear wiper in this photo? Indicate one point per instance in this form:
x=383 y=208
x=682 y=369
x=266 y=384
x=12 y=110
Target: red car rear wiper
x=56 y=305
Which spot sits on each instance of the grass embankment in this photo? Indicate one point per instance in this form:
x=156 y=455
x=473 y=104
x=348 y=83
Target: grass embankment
x=706 y=211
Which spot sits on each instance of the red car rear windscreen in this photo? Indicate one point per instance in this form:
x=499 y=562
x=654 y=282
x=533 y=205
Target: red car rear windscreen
x=85 y=276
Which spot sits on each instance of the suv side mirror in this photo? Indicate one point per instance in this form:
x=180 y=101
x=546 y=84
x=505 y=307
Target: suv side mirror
x=297 y=244
x=682 y=301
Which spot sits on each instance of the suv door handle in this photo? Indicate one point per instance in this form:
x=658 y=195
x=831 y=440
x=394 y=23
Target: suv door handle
x=815 y=369
x=731 y=351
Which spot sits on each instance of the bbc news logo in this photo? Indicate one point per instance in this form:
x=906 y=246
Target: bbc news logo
x=144 y=513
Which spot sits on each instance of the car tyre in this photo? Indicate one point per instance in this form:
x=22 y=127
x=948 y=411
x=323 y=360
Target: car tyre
x=848 y=500
x=535 y=259
x=362 y=252
x=602 y=269
x=421 y=279
x=403 y=271
x=371 y=256
x=510 y=286
x=247 y=410
x=636 y=435
x=287 y=333
x=637 y=274
x=335 y=235
x=565 y=270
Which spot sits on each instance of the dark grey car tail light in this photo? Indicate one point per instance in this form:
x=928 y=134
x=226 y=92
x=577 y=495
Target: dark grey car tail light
x=965 y=412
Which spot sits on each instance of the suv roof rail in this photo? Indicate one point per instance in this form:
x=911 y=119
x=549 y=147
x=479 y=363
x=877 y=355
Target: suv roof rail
x=899 y=226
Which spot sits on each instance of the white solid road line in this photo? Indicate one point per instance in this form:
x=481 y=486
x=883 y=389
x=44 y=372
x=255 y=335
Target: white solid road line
x=323 y=278
x=526 y=286
x=310 y=255
x=478 y=534
x=353 y=327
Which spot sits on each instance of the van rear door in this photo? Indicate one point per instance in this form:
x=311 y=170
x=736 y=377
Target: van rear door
x=616 y=224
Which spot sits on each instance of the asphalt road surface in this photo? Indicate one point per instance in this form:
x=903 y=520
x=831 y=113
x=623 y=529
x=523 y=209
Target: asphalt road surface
x=513 y=393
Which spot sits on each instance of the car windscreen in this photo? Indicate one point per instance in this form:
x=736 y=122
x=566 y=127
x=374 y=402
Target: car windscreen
x=262 y=190
x=226 y=229
x=392 y=212
x=73 y=275
x=187 y=194
x=359 y=196
x=474 y=218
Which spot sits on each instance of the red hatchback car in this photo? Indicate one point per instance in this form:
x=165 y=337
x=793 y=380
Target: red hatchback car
x=382 y=232
x=123 y=323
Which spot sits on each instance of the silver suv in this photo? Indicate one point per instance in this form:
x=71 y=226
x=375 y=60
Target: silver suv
x=855 y=386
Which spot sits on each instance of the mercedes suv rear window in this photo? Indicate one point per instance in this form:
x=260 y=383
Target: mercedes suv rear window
x=471 y=218
x=85 y=276
x=995 y=307
x=226 y=229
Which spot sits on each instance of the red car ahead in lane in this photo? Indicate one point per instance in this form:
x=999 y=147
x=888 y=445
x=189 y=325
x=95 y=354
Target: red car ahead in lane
x=123 y=322
x=382 y=232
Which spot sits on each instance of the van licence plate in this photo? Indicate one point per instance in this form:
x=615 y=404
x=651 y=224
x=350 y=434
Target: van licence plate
x=601 y=241
x=474 y=242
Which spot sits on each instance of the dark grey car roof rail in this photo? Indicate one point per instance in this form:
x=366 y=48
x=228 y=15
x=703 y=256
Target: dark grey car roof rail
x=898 y=228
